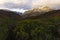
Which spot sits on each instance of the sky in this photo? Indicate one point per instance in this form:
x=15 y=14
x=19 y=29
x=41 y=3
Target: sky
x=29 y=4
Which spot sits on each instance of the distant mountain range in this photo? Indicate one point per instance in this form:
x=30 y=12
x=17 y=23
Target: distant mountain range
x=30 y=13
x=44 y=10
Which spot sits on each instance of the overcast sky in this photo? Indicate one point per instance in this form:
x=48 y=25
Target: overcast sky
x=28 y=4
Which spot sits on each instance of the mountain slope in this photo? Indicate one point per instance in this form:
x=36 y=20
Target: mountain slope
x=36 y=11
x=49 y=14
x=9 y=14
x=41 y=27
x=8 y=20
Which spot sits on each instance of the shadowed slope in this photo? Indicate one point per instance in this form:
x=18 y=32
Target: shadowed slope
x=8 y=21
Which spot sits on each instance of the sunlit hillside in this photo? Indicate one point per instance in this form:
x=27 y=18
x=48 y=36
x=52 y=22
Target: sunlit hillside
x=37 y=11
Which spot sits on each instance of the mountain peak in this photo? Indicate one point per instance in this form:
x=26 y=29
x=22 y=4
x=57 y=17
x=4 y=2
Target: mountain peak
x=37 y=11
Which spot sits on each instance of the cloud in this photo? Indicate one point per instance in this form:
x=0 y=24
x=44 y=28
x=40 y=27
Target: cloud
x=14 y=5
x=45 y=3
x=28 y=4
x=14 y=1
x=25 y=4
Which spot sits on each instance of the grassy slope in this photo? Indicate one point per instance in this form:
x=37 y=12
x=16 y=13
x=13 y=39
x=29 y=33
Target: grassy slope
x=39 y=29
x=45 y=28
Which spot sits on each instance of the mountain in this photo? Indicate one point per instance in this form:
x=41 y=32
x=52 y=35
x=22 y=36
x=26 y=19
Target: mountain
x=37 y=11
x=9 y=14
x=42 y=25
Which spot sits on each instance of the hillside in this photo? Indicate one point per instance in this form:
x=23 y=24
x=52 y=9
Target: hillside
x=9 y=14
x=7 y=22
x=39 y=26
x=36 y=11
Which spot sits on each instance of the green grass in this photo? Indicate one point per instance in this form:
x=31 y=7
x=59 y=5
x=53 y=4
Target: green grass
x=38 y=29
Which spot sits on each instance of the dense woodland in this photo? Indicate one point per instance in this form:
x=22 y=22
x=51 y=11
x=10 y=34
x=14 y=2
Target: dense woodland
x=42 y=27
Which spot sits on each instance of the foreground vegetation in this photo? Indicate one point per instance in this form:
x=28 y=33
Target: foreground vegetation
x=38 y=29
